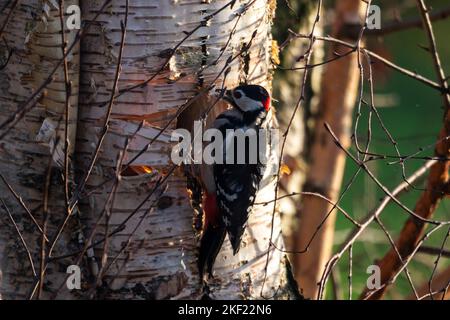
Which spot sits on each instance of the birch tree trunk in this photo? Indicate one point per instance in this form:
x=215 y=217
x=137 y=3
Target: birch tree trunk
x=159 y=49
x=35 y=144
x=155 y=255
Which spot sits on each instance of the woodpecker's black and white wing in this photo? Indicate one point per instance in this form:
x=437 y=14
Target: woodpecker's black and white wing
x=236 y=184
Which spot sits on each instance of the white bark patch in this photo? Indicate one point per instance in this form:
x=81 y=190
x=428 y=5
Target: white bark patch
x=48 y=135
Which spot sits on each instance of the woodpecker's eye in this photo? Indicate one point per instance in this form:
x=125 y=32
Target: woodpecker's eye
x=237 y=94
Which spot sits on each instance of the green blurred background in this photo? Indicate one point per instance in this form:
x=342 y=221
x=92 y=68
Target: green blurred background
x=413 y=113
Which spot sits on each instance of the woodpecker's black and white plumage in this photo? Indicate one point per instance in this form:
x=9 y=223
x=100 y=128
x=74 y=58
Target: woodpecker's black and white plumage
x=230 y=189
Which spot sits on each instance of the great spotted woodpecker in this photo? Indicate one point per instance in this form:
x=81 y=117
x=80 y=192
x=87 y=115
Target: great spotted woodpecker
x=230 y=188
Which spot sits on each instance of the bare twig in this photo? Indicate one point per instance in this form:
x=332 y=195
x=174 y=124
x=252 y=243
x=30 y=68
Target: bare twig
x=436 y=184
x=68 y=89
x=416 y=22
x=439 y=255
x=434 y=251
x=30 y=102
x=105 y=125
x=368 y=220
x=8 y=17
x=22 y=204
x=22 y=240
x=45 y=216
x=300 y=101
x=390 y=64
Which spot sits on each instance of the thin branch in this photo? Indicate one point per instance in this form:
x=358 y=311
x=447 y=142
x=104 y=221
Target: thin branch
x=394 y=247
x=416 y=22
x=68 y=91
x=22 y=240
x=350 y=272
x=377 y=57
x=22 y=204
x=382 y=187
x=318 y=195
x=434 y=251
x=439 y=255
x=436 y=184
x=105 y=124
x=374 y=294
x=8 y=17
x=10 y=53
x=25 y=106
x=433 y=50
x=368 y=220
x=299 y=103
x=45 y=218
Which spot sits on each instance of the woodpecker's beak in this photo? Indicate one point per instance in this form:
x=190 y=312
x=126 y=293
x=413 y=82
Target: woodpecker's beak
x=228 y=96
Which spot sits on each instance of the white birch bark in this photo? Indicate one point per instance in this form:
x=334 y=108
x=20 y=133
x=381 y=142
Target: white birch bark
x=160 y=261
x=34 y=33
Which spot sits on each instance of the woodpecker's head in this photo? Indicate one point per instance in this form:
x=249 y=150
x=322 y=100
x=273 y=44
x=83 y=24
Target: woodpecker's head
x=249 y=98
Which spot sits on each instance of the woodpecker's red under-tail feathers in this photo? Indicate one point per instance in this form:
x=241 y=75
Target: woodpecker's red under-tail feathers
x=213 y=235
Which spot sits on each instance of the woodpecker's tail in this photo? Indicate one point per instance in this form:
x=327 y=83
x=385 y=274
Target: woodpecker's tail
x=210 y=244
x=235 y=235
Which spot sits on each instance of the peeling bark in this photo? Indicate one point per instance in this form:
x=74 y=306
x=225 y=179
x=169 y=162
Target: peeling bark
x=34 y=34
